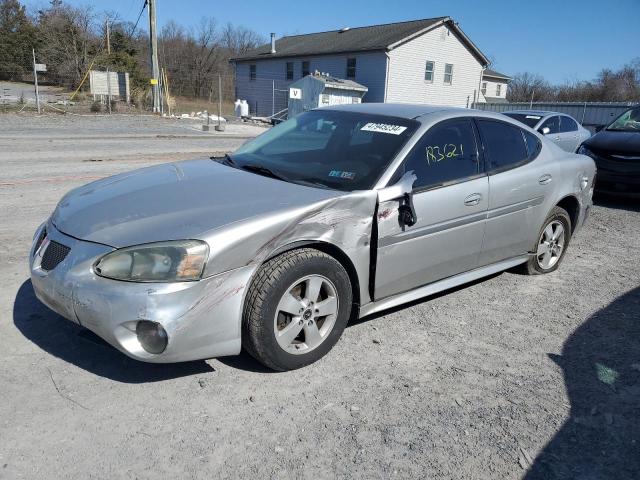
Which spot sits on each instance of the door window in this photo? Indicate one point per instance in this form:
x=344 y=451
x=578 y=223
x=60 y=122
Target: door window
x=446 y=153
x=568 y=124
x=552 y=123
x=504 y=145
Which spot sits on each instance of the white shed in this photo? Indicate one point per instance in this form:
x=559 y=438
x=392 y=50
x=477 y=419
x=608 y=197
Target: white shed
x=318 y=90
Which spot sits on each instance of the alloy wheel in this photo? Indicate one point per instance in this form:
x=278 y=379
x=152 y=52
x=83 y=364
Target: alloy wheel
x=306 y=314
x=551 y=245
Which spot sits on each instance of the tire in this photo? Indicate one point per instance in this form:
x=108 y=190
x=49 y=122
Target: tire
x=550 y=251
x=280 y=303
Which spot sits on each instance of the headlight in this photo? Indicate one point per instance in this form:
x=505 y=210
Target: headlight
x=176 y=261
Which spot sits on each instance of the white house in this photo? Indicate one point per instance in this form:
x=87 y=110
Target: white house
x=494 y=86
x=420 y=61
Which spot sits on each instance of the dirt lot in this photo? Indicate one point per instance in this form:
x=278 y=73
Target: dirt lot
x=509 y=377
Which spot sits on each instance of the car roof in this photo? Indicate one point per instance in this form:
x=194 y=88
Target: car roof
x=541 y=113
x=401 y=110
x=422 y=112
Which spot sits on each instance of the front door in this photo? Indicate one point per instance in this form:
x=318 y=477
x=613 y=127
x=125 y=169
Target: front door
x=450 y=198
x=553 y=134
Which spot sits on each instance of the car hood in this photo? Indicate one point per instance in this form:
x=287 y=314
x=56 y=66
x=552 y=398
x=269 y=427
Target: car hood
x=622 y=143
x=174 y=201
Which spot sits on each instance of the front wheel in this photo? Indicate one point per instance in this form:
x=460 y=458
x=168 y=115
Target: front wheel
x=552 y=244
x=296 y=309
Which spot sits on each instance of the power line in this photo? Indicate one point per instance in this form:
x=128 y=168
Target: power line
x=144 y=5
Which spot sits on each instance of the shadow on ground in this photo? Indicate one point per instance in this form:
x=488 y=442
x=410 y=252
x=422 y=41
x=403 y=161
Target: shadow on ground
x=619 y=203
x=601 y=365
x=81 y=347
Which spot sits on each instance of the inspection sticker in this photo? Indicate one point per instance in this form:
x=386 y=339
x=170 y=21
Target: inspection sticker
x=535 y=117
x=341 y=174
x=384 y=128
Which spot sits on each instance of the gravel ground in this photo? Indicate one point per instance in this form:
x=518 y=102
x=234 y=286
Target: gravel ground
x=509 y=377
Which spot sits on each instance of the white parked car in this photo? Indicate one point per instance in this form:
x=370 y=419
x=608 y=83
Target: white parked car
x=562 y=129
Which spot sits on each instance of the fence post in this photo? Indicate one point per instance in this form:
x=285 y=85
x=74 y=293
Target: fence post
x=584 y=112
x=273 y=97
x=108 y=91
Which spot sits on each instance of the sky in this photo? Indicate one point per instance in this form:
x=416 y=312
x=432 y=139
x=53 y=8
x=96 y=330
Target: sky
x=562 y=40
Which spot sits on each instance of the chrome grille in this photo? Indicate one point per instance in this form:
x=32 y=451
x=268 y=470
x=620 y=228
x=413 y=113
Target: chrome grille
x=53 y=255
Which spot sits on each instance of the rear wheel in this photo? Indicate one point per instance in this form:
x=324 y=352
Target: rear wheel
x=296 y=309
x=552 y=244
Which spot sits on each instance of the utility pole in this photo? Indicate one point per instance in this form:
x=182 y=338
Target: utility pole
x=108 y=39
x=219 y=127
x=35 y=80
x=155 y=70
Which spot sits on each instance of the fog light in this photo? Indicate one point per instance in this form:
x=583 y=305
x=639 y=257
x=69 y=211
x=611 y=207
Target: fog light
x=151 y=336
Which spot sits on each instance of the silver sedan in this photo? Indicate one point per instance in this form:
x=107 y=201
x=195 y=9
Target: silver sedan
x=560 y=128
x=335 y=214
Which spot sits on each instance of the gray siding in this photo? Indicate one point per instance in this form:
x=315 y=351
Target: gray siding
x=370 y=71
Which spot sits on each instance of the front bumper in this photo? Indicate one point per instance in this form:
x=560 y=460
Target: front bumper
x=202 y=319
x=614 y=183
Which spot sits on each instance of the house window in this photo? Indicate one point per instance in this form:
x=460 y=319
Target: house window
x=305 y=68
x=289 y=70
x=252 y=72
x=428 y=71
x=498 y=90
x=484 y=88
x=351 y=68
x=448 y=74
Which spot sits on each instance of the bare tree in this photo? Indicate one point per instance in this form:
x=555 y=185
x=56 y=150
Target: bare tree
x=525 y=86
x=68 y=40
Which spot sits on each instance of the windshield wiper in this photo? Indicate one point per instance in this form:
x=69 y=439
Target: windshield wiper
x=260 y=170
x=225 y=160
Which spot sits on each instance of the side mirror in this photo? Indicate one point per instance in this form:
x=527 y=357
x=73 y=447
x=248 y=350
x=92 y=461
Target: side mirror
x=545 y=130
x=402 y=191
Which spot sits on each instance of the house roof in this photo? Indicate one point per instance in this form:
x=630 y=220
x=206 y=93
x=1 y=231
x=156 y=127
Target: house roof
x=358 y=39
x=339 y=83
x=493 y=74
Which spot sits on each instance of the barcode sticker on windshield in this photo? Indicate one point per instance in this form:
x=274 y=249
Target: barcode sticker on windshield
x=384 y=128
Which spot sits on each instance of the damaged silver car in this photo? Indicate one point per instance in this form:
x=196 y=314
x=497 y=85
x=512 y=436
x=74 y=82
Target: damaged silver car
x=335 y=214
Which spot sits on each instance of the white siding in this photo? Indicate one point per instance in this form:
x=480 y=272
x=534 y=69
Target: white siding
x=407 y=64
x=370 y=72
x=492 y=85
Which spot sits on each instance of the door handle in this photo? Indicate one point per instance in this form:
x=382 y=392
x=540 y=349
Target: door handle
x=473 y=199
x=545 y=179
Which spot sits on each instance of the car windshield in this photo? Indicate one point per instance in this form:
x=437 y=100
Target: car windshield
x=327 y=148
x=529 y=119
x=629 y=121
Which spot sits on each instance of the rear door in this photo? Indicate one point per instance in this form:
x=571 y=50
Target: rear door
x=517 y=188
x=569 y=134
x=450 y=198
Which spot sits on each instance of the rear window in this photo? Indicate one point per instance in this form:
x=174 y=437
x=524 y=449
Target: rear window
x=329 y=148
x=530 y=120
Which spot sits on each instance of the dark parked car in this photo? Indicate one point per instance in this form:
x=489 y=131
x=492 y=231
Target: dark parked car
x=616 y=151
